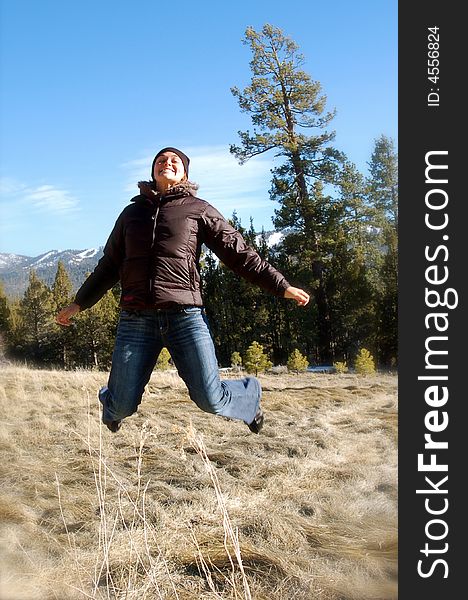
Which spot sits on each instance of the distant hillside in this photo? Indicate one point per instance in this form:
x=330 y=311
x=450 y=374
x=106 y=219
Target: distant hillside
x=15 y=268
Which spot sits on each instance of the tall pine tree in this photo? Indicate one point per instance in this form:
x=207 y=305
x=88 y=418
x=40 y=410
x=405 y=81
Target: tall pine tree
x=95 y=333
x=37 y=321
x=287 y=109
x=62 y=287
x=235 y=308
x=383 y=197
x=4 y=310
x=353 y=273
x=62 y=292
x=4 y=322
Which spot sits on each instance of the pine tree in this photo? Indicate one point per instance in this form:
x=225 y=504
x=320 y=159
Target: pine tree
x=383 y=197
x=236 y=360
x=364 y=363
x=340 y=367
x=62 y=287
x=37 y=320
x=14 y=330
x=383 y=180
x=4 y=310
x=62 y=293
x=162 y=364
x=283 y=101
x=95 y=333
x=297 y=362
x=4 y=322
x=255 y=359
x=236 y=308
x=352 y=271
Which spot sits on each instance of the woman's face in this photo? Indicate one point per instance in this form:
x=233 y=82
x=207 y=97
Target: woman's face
x=168 y=170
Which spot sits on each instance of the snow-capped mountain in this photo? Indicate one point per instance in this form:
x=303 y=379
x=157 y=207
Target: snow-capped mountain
x=15 y=268
x=273 y=238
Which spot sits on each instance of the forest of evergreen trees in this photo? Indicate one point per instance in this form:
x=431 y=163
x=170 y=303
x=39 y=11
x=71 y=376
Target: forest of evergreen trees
x=339 y=244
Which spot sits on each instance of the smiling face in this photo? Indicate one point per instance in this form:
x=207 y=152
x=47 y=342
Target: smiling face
x=168 y=170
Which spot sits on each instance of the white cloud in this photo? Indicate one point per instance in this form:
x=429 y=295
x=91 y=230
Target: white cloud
x=51 y=199
x=44 y=198
x=8 y=186
x=223 y=182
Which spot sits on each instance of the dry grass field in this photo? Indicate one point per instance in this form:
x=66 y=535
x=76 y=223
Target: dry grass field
x=187 y=506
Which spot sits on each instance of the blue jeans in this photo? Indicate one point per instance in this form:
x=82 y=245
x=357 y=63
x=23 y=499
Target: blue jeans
x=142 y=334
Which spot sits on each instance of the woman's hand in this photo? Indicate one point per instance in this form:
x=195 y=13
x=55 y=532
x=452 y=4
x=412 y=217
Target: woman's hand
x=64 y=316
x=301 y=297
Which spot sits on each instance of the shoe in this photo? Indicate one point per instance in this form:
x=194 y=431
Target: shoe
x=257 y=424
x=114 y=426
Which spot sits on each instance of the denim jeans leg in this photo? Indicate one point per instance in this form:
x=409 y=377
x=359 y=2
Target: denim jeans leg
x=189 y=341
x=137 y=347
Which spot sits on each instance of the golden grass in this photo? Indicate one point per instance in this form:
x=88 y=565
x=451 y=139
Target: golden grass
x=184 y=505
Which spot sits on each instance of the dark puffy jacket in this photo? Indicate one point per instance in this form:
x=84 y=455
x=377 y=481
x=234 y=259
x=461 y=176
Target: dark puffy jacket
x=154 y=251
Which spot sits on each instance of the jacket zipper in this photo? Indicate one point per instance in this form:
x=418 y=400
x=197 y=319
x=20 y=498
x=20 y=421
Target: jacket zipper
x=155 y=219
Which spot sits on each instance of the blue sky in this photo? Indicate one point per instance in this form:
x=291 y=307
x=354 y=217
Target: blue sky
x=90 y=90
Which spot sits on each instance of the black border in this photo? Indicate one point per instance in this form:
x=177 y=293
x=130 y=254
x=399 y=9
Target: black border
x=424 y=128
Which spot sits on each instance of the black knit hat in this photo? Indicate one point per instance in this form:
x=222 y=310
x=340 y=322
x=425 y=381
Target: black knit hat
x=183 y=157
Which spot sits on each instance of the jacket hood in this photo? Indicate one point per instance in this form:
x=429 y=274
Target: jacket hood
x=185 y=188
